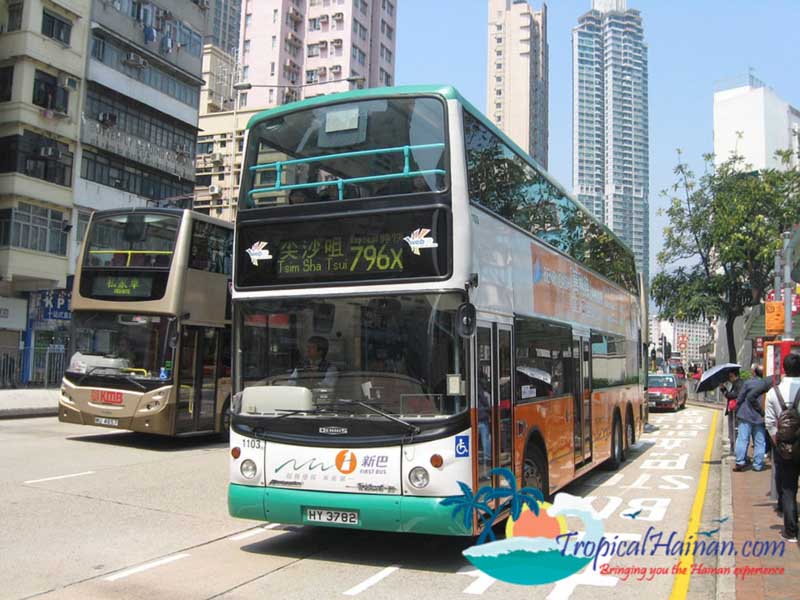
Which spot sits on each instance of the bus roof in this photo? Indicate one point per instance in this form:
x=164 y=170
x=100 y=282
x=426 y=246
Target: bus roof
x=448 y=92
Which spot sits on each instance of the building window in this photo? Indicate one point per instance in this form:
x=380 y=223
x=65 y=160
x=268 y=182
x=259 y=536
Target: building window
x=36 y=156
x=359 y=29
x=271 y=96
x=359 y=56
x=15 y=16
x=242 y=99
x=311 y=76
x=56 y=27
x=314 y=25
x=6 y=81
x=48 y=94
x=121 y=174
x=386 y=29
x=272 y=68
x=388 y=7
x=385 y=78
x=313 y=49
x=386 y=54
x=245 y=73
x=83 y=225
x=34 y=228
x=274 y=42
x=248 y=20
x=275 y=16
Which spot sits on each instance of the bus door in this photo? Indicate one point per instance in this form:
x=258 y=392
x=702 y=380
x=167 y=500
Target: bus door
x=197 y=379
x=582 y=401
x=494 y=385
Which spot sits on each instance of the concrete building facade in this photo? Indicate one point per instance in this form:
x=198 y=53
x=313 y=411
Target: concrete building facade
x=517 y=74
x=294 y=49
x=98 y=109
x=610 y=164
x=751 y=120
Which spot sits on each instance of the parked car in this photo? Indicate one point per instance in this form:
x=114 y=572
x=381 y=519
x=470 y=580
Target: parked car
x=666 y=391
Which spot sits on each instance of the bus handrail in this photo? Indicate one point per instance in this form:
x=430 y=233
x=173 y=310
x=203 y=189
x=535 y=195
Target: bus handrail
x=340 y=183
x=130 y=253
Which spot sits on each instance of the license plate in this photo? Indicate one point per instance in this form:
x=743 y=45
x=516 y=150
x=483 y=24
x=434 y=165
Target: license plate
x=106 y=421
x=324 y=515
x=652 y=403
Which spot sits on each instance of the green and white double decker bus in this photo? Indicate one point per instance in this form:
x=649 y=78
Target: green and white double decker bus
x=417 y=303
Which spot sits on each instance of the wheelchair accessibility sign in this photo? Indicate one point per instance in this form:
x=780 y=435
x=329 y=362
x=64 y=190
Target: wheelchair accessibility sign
x=462 y=446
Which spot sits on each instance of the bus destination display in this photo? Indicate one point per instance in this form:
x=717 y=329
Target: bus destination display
x=356 y=248
x=122 y=287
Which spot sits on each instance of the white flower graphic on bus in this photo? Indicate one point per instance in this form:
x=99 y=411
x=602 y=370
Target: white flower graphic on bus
x=258 y=251
x=418 y=240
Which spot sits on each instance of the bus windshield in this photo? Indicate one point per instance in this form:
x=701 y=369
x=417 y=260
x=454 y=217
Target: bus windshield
x=131 y=240
x=400 y=355
x=139 y=346
x=344 y=151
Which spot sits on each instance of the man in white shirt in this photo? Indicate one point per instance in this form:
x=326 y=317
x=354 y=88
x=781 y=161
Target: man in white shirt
x=316 y=369
x=788 y=472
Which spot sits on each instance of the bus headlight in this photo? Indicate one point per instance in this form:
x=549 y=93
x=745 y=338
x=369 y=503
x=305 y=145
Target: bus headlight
x=418 y=477
x=248 y=469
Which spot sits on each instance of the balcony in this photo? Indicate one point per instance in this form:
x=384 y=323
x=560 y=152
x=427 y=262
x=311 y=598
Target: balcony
x=118 y=142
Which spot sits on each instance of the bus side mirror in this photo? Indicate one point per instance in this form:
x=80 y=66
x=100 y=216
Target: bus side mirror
x=466 y=323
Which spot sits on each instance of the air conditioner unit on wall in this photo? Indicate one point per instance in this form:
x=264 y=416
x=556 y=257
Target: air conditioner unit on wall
x=214 y=190
x=134 y=60
x=68 y=82
x=48 y=152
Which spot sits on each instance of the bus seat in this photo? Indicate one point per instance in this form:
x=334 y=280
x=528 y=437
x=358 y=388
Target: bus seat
x=264 y=399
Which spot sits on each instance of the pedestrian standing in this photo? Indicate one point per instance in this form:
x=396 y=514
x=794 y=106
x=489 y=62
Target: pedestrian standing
x=775 y=418
x=750 y=417
x=731 y=393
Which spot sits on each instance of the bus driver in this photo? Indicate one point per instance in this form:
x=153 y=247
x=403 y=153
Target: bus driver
x=316 y=362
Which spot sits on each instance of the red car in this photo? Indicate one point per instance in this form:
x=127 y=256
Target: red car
x=666 y=391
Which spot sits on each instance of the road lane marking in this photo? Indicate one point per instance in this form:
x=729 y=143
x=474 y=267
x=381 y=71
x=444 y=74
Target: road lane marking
x=59 y=477
x=252 y=532
x=482 y=581
x=680 y=586
x=368 y=583
x=145 y=567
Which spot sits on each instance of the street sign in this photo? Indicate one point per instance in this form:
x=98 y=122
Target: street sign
x=774 y=316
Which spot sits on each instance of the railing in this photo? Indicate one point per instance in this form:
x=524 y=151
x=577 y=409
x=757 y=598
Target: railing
x=407 y=173
x=48 y=366
x=10 y=367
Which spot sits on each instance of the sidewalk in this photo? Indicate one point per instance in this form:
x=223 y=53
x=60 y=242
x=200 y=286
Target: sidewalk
x=755 y=520
x=23 y=403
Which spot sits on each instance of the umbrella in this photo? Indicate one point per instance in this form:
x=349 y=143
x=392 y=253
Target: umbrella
x=715 y=376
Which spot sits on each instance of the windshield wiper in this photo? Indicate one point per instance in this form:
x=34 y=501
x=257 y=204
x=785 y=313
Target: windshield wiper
x=410 y=426
x=134 y=382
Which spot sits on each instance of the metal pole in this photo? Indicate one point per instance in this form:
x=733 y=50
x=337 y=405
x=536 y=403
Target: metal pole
x=778 y=275
x=788 y=286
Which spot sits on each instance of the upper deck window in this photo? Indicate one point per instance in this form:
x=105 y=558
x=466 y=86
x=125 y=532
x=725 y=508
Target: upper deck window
x=132 y=240
x=388 y=146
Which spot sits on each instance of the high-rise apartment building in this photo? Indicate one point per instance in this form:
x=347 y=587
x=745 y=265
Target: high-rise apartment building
x=98 y=109
x=516 y=78
x=610 y=147
x=290 y=49
x=301 y=46
x=222 y=25
x=750 y=119
x=43 y=49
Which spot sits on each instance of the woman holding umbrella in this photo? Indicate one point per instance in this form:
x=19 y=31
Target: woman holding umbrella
x=731 y=393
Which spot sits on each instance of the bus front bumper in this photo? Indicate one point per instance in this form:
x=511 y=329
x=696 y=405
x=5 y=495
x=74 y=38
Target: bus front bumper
x=377 y=512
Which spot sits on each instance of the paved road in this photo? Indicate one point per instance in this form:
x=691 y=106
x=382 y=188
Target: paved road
x=93 y=514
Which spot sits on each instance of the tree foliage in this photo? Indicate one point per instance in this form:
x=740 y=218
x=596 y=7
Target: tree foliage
x=724 y=230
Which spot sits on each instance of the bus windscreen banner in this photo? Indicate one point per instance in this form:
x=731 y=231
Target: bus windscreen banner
x=378 y=246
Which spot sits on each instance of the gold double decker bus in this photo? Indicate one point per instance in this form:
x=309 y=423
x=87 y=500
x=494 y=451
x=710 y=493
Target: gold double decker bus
x=150 y=340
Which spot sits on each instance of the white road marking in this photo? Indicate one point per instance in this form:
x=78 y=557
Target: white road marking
x=252 y=532
x=368 y=583
x=59 y=477
x=482 y=581
x=145 y=567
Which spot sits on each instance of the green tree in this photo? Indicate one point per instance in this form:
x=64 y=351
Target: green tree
x=719 y=247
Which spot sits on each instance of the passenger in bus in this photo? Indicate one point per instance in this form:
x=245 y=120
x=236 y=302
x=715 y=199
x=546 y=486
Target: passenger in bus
x=316 y=363
x=125 y=351
x=302 y=196
x=484 y=414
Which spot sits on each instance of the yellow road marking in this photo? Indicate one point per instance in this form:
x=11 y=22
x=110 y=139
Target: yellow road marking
x=680 y=587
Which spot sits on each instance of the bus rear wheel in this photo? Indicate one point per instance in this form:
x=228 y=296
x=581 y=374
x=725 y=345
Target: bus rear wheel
x=617 y=450
x=534 y=471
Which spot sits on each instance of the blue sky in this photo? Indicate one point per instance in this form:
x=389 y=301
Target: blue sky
x=693 y=45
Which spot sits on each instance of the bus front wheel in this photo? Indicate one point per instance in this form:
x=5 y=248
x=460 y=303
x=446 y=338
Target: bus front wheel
x=535 y=471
